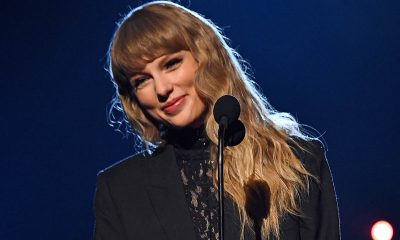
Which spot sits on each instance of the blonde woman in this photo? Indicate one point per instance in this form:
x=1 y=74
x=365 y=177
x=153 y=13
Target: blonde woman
x=169 y=66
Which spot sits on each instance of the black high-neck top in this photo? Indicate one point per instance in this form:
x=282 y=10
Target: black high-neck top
x=192 y=151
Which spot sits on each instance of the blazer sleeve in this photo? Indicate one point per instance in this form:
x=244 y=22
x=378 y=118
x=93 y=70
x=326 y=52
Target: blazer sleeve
x=320 y=219
x=107 y=224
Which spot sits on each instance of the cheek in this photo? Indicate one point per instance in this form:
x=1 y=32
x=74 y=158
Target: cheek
x=147 y=99
x=188 y=74
x=188 y=77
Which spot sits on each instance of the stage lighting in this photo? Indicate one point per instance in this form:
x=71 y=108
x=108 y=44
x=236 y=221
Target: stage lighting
x=382 y=230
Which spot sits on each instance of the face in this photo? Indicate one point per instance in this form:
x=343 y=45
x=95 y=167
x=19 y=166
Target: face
x=165 y=90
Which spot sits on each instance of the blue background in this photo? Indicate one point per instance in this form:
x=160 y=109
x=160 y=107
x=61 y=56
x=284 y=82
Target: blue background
x=334 y=65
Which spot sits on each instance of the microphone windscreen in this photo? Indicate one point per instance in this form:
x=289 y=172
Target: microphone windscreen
x=227 y=106
x=235 y=133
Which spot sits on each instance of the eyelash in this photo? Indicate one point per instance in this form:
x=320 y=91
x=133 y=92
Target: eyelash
x=139 y=81
x=173 y=62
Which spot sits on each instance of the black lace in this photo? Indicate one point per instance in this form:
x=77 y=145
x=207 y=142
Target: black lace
x=192 y=150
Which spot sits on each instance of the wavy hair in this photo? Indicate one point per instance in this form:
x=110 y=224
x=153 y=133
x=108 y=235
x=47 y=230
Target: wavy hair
x=161 y=27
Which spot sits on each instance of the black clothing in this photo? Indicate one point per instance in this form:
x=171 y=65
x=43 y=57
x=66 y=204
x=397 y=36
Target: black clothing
x=142 y=197
x=196 y=170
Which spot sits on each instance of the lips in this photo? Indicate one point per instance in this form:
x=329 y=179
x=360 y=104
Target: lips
x=174 y=105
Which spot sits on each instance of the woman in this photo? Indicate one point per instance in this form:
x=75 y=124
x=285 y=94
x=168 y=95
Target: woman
x=169 y=66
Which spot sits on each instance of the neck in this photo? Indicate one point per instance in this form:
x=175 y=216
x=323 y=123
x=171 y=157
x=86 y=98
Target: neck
x=186 y=137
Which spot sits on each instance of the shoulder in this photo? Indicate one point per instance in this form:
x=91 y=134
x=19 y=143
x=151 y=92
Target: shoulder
x=310 y=152
x=135 y=167
x=319 y=218
x=128 y=164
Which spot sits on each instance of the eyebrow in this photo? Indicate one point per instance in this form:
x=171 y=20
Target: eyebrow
x=163 y=59
x=167 y=57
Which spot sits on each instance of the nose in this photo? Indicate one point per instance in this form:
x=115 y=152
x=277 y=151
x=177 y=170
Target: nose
x=163 y=88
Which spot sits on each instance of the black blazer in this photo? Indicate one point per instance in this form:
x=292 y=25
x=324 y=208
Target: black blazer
x=142 y=197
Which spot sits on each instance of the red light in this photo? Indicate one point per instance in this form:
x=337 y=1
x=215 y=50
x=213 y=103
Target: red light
x=382 y=230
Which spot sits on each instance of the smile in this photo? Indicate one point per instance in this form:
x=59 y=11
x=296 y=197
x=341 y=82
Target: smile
x=174 y=105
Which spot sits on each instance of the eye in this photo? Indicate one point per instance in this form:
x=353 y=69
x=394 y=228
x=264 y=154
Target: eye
x=173 y=62
x=139 y=82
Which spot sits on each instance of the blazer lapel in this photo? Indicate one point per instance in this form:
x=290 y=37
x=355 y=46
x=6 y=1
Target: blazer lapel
x=167 y=196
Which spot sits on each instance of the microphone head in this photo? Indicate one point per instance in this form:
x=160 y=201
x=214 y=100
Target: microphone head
x=235 y=133
x=227 y=106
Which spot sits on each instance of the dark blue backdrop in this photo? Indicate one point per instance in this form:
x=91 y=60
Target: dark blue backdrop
x=333 y=64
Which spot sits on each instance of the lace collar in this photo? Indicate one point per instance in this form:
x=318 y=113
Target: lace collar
x=187 y=138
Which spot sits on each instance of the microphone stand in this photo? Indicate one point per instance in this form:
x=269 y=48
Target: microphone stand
x=221 y=144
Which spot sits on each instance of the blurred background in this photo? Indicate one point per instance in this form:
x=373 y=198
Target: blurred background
x=335 y=65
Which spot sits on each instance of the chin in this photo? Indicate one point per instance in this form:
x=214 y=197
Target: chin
x=186 y=119
x=181 y=122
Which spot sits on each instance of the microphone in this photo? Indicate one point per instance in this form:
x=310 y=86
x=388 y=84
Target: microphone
x=231 y=132
x=226 y=113
x=227 y=107
x=235 y=133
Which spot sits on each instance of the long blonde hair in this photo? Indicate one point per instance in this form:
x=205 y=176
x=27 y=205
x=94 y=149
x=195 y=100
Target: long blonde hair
x=162 y=27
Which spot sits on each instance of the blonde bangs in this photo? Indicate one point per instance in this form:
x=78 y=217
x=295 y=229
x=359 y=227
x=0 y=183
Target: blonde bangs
x=143 y=37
